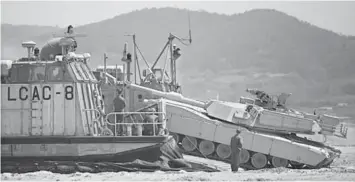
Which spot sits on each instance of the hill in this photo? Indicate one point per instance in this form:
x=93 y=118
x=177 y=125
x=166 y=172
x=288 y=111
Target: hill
x=264 y=49
x=13 y=35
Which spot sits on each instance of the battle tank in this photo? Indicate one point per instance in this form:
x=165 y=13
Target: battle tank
x=53 y=118
x=205 y=128
x=275 y=106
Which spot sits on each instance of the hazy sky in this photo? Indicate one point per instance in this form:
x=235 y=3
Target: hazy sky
x=336 y=16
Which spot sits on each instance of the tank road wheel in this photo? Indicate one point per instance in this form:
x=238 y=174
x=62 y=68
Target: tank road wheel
x=206 y=147
x=279 y=162
x=189 y=143
x=296 y=165
x=223 y=151
x=244 y=156
x=259 y=160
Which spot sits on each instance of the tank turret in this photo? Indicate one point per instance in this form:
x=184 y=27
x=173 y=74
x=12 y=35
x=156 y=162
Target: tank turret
x=265 y=100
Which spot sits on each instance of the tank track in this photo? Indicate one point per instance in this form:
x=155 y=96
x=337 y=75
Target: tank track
x=249 y=166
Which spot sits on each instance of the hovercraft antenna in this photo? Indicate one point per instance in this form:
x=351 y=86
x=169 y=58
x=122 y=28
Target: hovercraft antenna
x=30 y=46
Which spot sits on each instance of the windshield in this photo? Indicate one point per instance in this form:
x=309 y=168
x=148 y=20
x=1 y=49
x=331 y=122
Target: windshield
x=57 y=73
x=25 y=73
x=20 y=73
x=37 y=73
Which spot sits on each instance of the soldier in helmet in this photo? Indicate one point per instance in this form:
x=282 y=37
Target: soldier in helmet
x=236 y=147
x=36 y=53
x=266 y=100
x=70 y=29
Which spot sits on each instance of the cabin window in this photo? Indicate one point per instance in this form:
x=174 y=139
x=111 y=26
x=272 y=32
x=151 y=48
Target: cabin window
x=37 y=73
x=58 y=73
x=19 y=74
x=55 y=73
x=5 y=79
x=76 y=72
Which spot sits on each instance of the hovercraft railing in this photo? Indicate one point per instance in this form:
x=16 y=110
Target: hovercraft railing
x=103 y=123
x=138 y=125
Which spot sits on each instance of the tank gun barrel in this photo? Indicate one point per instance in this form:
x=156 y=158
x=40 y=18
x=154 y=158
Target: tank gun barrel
x=169 y=95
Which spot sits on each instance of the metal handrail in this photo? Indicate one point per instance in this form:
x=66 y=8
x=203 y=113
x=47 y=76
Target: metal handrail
x=14 y=109
x=163 y=123
x=96 y=110
x=98 y=115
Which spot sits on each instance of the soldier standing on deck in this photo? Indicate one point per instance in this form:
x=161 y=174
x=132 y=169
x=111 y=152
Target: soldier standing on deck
x=119 y=105
x=236 y=147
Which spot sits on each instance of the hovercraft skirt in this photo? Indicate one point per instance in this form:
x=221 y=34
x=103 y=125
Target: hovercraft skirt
x=88 y=149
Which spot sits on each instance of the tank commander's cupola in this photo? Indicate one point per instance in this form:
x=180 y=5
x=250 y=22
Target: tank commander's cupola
x=30 y=45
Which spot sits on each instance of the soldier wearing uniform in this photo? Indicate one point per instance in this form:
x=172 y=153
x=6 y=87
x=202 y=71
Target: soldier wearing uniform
x=70 y=29
x=36 y=53
x=119 y=105
x=236 y=147
x=266 y=100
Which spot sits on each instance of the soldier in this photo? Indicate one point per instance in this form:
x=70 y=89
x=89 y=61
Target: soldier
x=266 y=100
x=119 y=105
x=70 y=29
x=236 y=147
x=36 y=53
